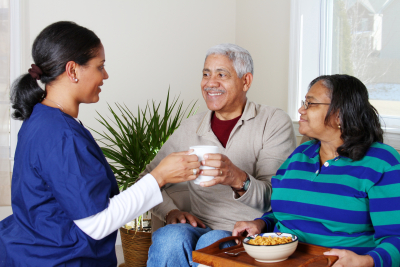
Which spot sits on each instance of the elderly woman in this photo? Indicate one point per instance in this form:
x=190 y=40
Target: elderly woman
x=342 y=189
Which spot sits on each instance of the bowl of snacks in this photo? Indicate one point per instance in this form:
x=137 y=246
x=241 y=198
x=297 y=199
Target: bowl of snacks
x=270 y=247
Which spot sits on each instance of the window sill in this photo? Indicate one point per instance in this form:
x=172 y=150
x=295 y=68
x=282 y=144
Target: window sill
x=391 y=136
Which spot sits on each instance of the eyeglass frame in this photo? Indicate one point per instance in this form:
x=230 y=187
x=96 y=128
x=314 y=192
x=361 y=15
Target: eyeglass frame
x=306 y=104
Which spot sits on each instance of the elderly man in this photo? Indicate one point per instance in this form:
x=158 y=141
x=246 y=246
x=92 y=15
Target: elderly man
x=254 y=141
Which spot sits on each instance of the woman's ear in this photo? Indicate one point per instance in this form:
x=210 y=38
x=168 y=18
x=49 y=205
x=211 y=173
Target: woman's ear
x=337 y=119
x=71 y=70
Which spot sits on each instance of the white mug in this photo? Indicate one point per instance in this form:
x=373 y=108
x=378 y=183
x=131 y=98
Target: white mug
x=199 y=151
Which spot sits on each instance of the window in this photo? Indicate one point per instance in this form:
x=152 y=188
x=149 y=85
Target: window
x=356 y=37
x=5 y=179
x=366 y=41
x=10 y=66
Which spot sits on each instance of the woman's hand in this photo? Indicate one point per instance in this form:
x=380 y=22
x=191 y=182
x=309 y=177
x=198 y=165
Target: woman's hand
x=348 y=258
x=177 y=167
x=248 y=228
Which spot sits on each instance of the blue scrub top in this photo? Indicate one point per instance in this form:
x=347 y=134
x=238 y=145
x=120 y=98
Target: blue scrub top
x=60 y=175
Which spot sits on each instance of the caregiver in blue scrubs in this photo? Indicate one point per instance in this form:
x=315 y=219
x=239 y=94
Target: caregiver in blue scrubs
x=65 y=199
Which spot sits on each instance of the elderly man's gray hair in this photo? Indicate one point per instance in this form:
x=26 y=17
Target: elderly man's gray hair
x=240 y=57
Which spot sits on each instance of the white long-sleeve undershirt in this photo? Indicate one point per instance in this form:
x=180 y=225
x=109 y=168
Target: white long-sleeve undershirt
x=123 y=208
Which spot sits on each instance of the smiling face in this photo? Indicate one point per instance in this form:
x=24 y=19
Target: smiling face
x=90 y=78
x=223 y=91
x=312 y=120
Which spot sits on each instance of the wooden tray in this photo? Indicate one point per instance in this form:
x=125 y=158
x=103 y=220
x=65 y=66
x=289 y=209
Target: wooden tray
x=305 y=255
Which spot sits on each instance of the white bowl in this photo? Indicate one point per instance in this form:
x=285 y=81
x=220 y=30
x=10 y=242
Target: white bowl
x=271 y=253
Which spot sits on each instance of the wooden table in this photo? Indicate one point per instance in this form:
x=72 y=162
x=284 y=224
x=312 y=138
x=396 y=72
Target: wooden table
x=305 y=255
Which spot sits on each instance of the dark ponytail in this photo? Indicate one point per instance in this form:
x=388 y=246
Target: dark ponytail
x=25 y=94
x=52 y=49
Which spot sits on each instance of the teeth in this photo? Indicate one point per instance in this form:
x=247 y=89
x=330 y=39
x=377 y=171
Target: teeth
x=211 y=94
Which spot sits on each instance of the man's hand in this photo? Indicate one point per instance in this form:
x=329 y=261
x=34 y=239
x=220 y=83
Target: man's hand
x=348 y=258
x=225 y=171
x=177 y=216
x=177 y=167
x=248 y=228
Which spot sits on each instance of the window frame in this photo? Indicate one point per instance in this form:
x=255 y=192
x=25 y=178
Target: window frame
x=20 y=58
x=300 y=47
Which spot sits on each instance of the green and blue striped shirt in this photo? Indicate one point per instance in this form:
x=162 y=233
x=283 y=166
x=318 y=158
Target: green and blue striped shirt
x=344 y=204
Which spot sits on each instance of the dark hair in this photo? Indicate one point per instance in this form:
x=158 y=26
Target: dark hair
x=359 y=120
x=52 y=49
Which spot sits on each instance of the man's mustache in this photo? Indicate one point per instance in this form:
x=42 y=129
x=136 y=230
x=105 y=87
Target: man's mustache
x=214 y=90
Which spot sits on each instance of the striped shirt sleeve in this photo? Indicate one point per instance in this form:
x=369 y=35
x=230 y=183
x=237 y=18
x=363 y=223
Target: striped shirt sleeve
x=269 y=220
x=384 y=204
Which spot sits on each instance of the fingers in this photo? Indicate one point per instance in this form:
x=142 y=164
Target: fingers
x=199 y=223
x=212 y=182
x=194 y=221
x=186 y=155
x=193 y=165
x=215 y=160
x=213 y=163
x=193 y=172
x=172 y=220
x=239 y=229
x=336 y=252
x=176 y=216
x=213 y=172
x=191 y=219
x=249 y=226
x=185 y=217
x=252 y=231
x=183 y=153
x=218 y=157
x=190 y=158
x=180 y=218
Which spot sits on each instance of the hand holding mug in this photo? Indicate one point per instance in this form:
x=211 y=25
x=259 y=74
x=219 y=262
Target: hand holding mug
x=177 y=167
x=200 y=151
x=224 y=171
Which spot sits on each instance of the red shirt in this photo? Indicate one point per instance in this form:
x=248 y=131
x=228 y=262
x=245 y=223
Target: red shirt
x=222 y=129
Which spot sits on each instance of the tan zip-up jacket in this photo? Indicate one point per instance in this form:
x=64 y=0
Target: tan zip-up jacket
x=259 y=143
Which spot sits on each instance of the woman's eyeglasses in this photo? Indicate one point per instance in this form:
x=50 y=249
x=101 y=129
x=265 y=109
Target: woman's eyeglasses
x=307 y=104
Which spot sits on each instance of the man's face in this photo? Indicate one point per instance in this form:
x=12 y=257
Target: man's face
x=222 y=89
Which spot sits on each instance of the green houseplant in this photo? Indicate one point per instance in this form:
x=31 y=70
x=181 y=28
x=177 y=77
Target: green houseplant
x=129 y=143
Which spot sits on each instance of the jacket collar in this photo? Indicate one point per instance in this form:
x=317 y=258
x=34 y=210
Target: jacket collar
x=249 y=112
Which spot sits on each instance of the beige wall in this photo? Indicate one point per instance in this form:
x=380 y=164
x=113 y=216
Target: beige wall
x=151 y=45
x=263 y=28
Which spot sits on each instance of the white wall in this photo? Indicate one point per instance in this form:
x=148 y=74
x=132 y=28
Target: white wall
x=150 y=45
x=263 y=27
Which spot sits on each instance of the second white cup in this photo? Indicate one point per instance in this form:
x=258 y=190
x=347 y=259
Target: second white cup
x=199 y=151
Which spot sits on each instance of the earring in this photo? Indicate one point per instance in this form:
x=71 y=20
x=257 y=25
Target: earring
x=339 y=126
x=76 y=80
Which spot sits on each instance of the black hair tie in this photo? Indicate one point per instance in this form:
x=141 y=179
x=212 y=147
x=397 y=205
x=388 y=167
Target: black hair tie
x=35 y=72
